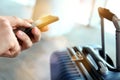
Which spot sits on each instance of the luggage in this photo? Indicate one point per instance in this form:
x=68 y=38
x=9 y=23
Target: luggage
x=88 y=62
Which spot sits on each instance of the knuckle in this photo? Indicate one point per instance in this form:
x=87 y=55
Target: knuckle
x=14 y=54
x=14 y=50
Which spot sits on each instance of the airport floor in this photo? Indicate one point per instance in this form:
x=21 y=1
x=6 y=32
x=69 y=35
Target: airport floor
x=34 y=63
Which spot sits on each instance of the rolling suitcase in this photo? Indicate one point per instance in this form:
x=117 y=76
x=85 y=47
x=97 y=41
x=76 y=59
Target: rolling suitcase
x=88 y=62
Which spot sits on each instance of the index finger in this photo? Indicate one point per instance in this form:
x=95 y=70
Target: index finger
x=21 y=22
x=17 y=22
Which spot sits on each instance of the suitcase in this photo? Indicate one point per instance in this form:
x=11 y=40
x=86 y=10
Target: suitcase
x=88 y=62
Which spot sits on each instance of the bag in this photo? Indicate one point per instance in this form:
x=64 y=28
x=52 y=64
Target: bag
x=88 y=62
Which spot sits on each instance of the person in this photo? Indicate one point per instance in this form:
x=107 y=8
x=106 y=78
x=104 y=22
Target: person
x=10 y=46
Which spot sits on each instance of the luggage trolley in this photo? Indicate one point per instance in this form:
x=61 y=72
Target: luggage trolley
x=88 y=62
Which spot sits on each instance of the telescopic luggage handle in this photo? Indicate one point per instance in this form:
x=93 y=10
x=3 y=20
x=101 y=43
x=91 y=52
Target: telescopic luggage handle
x=105 y=13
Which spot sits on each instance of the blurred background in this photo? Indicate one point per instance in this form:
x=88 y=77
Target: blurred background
x=79 y=25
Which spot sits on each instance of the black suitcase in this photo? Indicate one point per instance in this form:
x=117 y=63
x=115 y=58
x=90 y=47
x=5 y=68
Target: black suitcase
x=88 y=62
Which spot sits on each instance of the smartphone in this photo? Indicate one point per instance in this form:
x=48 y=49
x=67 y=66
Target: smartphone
x=41 y=22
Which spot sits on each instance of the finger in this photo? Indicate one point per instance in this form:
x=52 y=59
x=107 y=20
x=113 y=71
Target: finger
x=44 y=29
x=25 y=40
x=29 y=20
x=9 y=54
x=21 y=22
x=16 y=22
x=13 y=52
x=36 y=34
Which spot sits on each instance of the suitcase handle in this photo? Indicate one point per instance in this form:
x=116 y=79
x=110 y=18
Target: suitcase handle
x=105 y=13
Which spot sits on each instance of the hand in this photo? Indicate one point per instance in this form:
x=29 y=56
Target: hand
x=26 y=41
x=8 y=41
x=18 y=22
x=13 y=23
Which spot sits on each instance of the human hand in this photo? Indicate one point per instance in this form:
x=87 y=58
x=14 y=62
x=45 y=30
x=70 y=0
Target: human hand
x=25 y=40
x=8 y=41
x=25 y=23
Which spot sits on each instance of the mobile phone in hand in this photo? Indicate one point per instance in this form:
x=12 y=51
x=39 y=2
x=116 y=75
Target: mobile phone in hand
x=41 y=22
